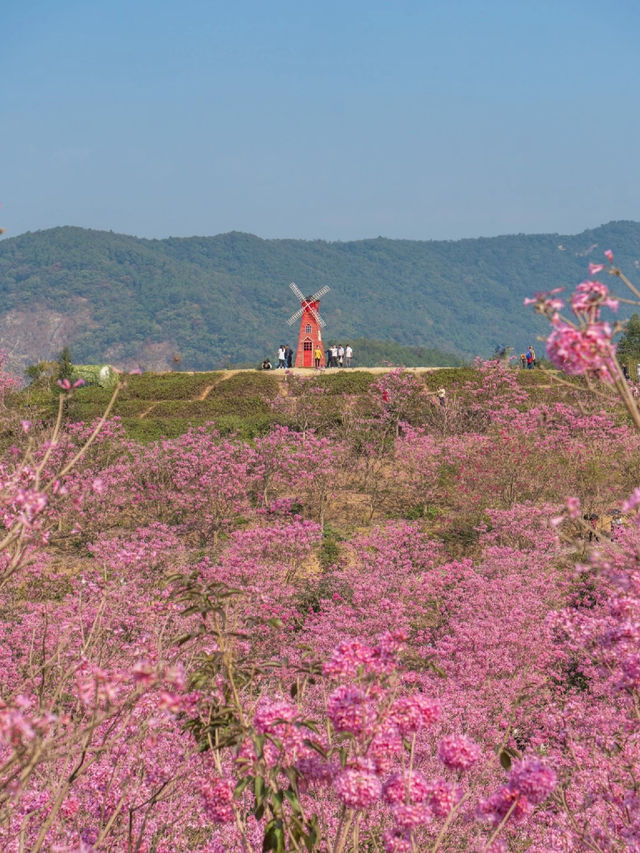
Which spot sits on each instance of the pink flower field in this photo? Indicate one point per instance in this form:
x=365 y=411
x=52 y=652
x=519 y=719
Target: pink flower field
x=397 y=628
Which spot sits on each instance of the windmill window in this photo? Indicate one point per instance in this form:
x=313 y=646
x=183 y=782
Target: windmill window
x=307 y=329
x=307 y=346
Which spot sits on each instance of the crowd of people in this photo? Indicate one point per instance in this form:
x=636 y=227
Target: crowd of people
x=336 y=355
x=339 y=356
x=528 y=359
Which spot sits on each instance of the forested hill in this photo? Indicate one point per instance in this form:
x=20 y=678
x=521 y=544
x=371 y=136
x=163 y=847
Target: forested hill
x=211 y=300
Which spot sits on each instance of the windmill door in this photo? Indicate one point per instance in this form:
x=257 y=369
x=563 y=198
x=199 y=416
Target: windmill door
x=307 y=350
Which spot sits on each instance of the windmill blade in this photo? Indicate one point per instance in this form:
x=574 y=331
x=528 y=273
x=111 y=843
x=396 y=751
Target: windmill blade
x=295 y=316
x=320 y=293
x=319 y=319
x=297 y=291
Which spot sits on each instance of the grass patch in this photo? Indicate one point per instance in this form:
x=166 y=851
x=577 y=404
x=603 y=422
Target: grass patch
x=251 y=384
x=349 y=382
x=169 y=386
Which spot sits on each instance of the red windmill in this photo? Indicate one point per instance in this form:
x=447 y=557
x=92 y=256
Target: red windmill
x=311 y=324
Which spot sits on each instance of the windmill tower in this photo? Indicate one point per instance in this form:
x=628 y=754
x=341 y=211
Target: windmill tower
x=311 y=324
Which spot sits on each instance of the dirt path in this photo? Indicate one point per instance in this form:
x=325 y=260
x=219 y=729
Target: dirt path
x=201 y=396
x=205 y=393
x=148 y=410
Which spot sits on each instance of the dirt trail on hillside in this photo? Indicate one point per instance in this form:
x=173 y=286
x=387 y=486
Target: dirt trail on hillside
x=205 y=393
x=148 y=410
x=224 y=374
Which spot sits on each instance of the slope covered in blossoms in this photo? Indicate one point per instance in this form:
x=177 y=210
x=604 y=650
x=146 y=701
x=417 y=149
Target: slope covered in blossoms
x=382 y=630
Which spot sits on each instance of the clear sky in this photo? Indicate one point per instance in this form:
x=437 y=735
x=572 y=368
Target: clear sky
x=422 y=119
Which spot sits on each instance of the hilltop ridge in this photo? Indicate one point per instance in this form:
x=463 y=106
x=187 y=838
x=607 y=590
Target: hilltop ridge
x=206 y=302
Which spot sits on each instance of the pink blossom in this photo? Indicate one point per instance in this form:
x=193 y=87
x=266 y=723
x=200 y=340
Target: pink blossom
x=442 y=796
x=533 y=779
x=412 y=713
x=589 y=296
x=218 y=799
x=15 y=727
x=408 y=816
x=171 y=702
x=278 y=718
x=142 y=672
x=573 y=507
x=406 y=787
x=316 y=770
x=397 y=841
x=349 y=710
x=547 y=303
x=609 y=255
x=358 y=789
x=497 y=846
x=633 y=501
x=270 y=715
x=579 y=351
x=458 y=752
x=496 y=807
x=350 y=657
x=384 y=747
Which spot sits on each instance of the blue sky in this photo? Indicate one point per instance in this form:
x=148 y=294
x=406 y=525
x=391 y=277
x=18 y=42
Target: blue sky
x=438 y=119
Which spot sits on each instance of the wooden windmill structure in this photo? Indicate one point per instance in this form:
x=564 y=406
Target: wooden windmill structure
x=311 y=324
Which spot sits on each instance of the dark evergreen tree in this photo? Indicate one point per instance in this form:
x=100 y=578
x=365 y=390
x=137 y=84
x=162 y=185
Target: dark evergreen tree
x=65 y=365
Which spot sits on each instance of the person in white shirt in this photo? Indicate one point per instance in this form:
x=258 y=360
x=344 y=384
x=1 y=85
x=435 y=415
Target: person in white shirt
x=348 y=355
x=281 y=356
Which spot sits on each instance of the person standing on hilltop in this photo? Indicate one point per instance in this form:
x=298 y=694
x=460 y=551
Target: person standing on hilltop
x=531 y=358
x=288 y=355
x=281 y=362
x=348 y=355
x=317 y=356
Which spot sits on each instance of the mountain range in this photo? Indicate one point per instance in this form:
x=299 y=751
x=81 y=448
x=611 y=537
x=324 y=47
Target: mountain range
x=205 y=302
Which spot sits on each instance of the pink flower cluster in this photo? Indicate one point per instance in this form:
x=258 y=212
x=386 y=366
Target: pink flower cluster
x=353 y=657
x=278 y=721
x=217 y=796
x=414 y=712
x=458 y=752
x=529 y=783
x=350 y=710
x=358 y=787
x=588 y=350
x=585 y=348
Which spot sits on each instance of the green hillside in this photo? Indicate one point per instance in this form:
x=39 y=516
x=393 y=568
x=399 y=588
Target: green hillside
x=225 y=300
x=246 y=403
